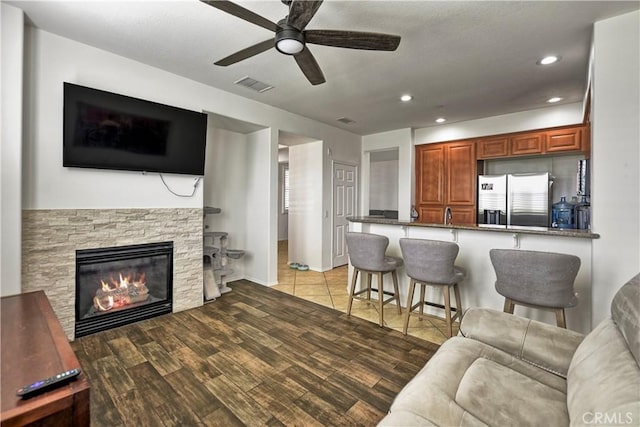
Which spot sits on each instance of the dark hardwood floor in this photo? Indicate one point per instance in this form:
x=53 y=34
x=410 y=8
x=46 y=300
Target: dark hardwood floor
x=256 y=356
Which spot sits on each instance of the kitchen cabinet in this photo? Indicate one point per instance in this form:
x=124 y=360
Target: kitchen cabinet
x=430 y=174
x=567 y=139
x=446 y=176
x=527 y=143
x=460 y=171
x=493 y=147
x=430 y=215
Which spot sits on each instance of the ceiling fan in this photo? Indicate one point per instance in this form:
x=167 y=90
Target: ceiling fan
x=291 y=36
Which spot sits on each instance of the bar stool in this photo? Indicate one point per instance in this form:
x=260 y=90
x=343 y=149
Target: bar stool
x=431 y=262
x=535 y=279
x=367 y=255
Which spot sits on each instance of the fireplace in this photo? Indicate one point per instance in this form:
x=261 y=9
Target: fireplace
x=120 y=285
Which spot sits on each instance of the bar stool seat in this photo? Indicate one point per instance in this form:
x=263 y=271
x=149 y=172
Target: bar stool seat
x=431 y=262
x=543 y=280
x=367 y=255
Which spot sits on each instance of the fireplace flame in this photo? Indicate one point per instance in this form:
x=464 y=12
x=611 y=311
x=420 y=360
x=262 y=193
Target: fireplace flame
x=128 y=289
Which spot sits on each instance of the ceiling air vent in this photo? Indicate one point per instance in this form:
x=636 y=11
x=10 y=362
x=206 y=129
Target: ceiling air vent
x=253 y=84
x=345 y=120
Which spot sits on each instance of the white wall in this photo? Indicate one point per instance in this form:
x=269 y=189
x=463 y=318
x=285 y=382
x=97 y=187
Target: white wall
x=402 y=140
x=11 y=150
x=225 y=188
x=615 y=157
x=261 y=168
x=51 y=60
x=306 y=204
x=383 y=185
x=557 y=115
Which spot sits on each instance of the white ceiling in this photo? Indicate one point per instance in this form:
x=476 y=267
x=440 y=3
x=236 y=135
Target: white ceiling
x=459 y=59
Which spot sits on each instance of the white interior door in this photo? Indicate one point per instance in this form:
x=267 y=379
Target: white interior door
x=344 y=205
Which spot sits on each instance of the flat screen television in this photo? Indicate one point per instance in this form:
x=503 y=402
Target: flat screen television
x=104 y=130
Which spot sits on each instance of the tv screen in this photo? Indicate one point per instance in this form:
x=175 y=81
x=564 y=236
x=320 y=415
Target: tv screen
x=105 y=130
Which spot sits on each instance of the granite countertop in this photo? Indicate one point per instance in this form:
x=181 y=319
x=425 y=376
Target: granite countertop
x=585 y=234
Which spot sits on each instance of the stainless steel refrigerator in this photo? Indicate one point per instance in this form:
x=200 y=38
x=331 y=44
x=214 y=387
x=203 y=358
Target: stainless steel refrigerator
x=514 y=200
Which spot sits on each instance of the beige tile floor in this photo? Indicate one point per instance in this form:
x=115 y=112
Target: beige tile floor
x=330 y=289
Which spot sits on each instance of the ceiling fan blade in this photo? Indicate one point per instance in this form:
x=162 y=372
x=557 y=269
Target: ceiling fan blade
x=242 y=13
x=246 y=53
x=301 y=12
x=309 y=67
x=352 y=39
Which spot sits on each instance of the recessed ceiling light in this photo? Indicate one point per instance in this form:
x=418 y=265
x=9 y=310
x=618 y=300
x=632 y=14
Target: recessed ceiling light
x=548 y=60
x=406 y=98
x=441 y=120
x=554 y=99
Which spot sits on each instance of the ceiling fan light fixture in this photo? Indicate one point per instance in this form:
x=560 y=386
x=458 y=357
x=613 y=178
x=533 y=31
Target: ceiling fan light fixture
x=289 y=40
x=289 y=46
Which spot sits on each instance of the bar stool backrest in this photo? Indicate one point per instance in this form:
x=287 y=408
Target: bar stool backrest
x=538 y=278
x=430 y=261
x=367 y=251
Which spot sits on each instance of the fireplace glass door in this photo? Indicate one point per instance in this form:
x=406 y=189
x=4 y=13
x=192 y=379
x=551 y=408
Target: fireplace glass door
x=120 y=285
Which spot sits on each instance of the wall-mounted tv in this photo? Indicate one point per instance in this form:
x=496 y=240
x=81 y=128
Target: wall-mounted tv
x=105 y=130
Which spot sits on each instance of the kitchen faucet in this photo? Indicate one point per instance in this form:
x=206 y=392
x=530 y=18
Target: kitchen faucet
x=448 y=216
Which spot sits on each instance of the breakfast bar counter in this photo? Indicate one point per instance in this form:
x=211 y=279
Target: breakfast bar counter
x=583 y=234
x=475 y=242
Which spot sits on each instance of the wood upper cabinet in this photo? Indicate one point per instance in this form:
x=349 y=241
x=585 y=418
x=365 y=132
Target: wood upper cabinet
x=430 y=174
x=527 y=143
x=567 y=139
x=461 y=173
x=446 y=176
x=493 y=147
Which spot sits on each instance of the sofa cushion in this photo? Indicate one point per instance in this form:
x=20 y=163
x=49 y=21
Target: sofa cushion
x=603 y=382
x=442 y=389
x=625 y=310
x=546 y=346
x=501 y=396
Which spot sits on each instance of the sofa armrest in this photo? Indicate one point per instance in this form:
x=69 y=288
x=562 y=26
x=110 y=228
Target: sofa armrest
x=546 y=346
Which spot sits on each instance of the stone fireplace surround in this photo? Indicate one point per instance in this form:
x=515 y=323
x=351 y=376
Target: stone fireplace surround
x=51 y=237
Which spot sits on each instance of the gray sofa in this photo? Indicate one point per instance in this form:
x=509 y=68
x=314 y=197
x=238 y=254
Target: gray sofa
x=505 y=370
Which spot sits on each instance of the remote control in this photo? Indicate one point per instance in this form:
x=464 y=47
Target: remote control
x=47 y=383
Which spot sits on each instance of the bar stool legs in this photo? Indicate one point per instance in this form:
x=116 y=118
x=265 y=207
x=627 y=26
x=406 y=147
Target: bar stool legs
x=561 y=322
x=395 y=296
x=449 y=319
x=508 y=306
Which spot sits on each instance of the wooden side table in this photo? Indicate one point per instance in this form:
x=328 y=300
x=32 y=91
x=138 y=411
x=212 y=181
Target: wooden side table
x=34 y=346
